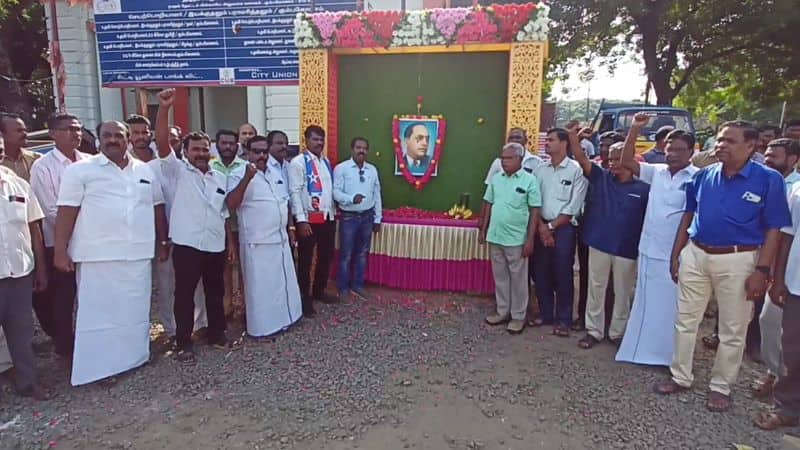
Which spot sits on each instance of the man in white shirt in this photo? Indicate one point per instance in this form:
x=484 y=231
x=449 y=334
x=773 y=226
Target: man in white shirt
x=357 y=191
x=785 y=293
x=529 y=162
x=198 y=229
x=164 y=271
x=649 y=335
x=266 y=238
x=278 y=144
x=110 y=214
x=141 y=137
x=311 y=193
x=781 y=155
x=21 y=254
x=54 y=307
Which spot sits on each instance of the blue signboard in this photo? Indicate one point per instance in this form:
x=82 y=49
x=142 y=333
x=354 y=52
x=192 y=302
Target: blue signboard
x=201 y=42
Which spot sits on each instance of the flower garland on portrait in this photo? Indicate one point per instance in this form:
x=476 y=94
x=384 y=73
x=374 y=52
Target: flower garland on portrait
x=418 y=182
x=441 y=26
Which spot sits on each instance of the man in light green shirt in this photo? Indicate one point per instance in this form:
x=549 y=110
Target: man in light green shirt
x=512 y=214
x=227 y=146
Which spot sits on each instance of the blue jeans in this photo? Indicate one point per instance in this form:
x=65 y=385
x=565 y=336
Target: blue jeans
x=552 y=273
x=355 y=236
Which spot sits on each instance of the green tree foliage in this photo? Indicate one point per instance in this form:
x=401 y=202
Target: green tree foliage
x=716 y=95
x=25 y=77
x=678 y=39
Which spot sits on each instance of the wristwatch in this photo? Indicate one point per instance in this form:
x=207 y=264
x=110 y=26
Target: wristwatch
x=165 y=243
x=550 y=226
x=292 y=228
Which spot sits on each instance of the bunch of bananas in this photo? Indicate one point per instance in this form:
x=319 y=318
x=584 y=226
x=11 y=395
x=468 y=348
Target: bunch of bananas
x=459 y=212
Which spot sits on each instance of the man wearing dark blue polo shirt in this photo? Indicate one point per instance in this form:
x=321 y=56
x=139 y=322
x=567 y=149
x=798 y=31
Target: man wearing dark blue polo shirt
x=725 y=245
x=611 y=229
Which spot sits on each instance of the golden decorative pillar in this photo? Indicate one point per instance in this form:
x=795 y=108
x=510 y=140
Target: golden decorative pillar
x=313 y=89
x=525 y=77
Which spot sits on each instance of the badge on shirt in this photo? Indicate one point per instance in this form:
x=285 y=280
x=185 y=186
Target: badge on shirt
x=16 y=198
x=220 y=191
x=520 y=190
x=143 y=181
x=566 y=182
x=750 y=197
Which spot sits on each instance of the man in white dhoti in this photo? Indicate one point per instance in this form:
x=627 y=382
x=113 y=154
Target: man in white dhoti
x=649 y=333
x=266 y=235
x=110 y=213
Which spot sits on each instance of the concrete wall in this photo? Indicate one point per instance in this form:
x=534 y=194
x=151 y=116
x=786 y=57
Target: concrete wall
x=80 y=61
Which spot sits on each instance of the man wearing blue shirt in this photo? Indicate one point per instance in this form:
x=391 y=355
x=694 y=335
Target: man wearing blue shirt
x=725 y=245
x=611 y=229
x=357 y=191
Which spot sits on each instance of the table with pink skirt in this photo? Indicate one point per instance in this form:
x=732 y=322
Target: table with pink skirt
x=430 y=254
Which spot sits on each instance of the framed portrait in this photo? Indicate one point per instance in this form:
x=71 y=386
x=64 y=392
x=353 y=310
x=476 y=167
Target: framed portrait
x=418 y=142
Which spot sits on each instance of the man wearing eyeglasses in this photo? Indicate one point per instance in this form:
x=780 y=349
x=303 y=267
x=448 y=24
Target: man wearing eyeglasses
x=357 y=191
x=54 y=307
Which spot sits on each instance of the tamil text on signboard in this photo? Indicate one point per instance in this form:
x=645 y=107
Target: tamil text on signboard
x=201 y=42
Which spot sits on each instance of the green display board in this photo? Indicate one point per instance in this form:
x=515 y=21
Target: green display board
x=468 y=89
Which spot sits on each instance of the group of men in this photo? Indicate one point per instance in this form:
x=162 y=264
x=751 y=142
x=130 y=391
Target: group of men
x=668 y=237
x=153 y=208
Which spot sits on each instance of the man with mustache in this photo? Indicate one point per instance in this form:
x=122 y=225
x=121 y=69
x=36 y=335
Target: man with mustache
x=618 y=201
x=198 y=228
x=357 y=191
x=227 y=163
x=725 y=245
x=311 y=192
x=110 y=216
x=141 y=137
x=54 y=307
x=278 y=145
x=649 y=335
x=781 y=155
x=15 y=137
x=267 y=236
x=22 y=272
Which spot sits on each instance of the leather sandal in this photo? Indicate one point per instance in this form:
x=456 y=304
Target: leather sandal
x=588 y=342
x=718 y=402
x=668 y=387
x=770 y=420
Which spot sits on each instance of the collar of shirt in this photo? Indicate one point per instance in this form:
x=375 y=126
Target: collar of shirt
x=743 y=172
x=513 y=175
x=275 y=163
x=564 y=162
x=62 y=158
x=103 y=160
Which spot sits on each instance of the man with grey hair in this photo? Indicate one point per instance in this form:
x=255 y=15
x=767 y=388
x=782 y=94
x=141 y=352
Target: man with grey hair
x=612 y=227
x=512 y=203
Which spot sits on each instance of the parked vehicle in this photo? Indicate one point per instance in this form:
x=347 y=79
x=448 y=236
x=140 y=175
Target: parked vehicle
x=619 y=116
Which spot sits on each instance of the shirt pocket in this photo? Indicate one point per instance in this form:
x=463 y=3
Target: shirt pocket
x=564 y=190
x=675 y=199
x=215 y=195
x=16 y=211
x=517 y=199
x=144 y=192
x=741 y=211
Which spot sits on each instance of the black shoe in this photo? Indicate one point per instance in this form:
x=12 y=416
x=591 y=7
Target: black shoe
x=327 y=299
x=221 y=342
x=309 y=311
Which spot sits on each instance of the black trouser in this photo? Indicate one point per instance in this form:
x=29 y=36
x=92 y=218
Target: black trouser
x=787 y=390
x=583 y=277
x=16 y=321
x=322 y=240
x=54 y=307
x=753 y=339
x=192 y=265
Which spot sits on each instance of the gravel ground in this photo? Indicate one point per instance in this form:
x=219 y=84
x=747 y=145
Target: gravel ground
x=405 y=370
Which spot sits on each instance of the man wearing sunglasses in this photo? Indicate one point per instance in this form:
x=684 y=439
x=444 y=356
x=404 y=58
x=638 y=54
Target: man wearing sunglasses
x=357 y=191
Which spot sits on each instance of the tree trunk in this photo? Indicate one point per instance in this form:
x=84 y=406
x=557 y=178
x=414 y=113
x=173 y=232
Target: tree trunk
x=648 y=24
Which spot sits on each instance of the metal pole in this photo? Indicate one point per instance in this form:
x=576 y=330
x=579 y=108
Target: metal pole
x=57 y=47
